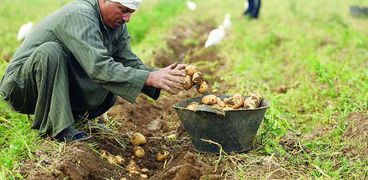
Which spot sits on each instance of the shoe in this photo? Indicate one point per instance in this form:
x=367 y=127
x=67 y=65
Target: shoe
x=70 y=134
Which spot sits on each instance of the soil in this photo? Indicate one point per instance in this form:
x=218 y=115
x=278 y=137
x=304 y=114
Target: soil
x=156 y=120
x=80 y=161
x=356 y=135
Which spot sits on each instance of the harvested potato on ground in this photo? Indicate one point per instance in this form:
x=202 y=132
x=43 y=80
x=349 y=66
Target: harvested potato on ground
x=104 y=154
x=197 y=78
x=209 y=100
x=190 y=70
x=137 y=139
x=144 y=176
x=188 y=82
x=162 y=156
x=138 y=152
x=132 y=167
x=193 y=106
x=120 y=159
x=111 y=158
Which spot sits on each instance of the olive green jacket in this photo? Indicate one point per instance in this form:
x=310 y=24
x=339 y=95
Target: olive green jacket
x=102 y=59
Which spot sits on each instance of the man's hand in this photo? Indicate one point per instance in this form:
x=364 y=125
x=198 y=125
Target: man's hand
x=170 y=78
x=179 y=66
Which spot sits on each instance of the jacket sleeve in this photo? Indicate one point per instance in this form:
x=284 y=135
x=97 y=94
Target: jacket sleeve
x=80 y=32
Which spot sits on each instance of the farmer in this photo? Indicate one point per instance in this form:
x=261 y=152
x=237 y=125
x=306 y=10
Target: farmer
x=253 y=9
x=75 y=63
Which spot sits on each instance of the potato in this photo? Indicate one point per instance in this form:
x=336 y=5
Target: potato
x=221 y=103
x=104 y=154
x=132 y=167
x=112 y=160
x=190 y=70
x=144 y=176
x=138 y=152
x=249 y=104
x=257 y=98
x=197 y=78
x=193 y=106
x=120 y=159
x=188 y=82
x=236 y=101
x=162 y=156
x=137 y=139
x=253 y=101
x=202 y=88
x=229 y=102
x=209 y=100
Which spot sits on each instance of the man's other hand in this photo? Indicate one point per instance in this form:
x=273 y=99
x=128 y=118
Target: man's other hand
x=170 y=78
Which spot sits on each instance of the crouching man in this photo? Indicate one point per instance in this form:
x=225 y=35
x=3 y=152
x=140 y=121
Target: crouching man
x=75 y=62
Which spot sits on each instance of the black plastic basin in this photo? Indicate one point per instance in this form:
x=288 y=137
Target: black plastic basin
x=234 y=130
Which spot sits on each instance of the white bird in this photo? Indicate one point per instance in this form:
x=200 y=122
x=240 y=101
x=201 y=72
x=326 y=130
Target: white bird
x=191 y=5
x=24 y=30
x=215 y=36
x=227 y=22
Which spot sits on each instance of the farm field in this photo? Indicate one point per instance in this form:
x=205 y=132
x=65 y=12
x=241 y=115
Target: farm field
x=309 y=59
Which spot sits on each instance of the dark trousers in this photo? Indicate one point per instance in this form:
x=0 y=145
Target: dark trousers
x=253 y=8
x=42 y=86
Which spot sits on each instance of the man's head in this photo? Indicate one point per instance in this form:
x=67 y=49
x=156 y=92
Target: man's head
x=116 y=12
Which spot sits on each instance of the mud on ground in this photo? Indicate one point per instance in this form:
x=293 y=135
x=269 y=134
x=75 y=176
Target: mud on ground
x=356 y=135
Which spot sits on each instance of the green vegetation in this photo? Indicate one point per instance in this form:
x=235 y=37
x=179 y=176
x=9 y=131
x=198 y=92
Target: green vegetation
x=313 y=49
x=17 y=140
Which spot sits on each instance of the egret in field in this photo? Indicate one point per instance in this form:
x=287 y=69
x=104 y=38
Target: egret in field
x=191 y=5
x=227 y=21
x=24 y=30
x=215 y=36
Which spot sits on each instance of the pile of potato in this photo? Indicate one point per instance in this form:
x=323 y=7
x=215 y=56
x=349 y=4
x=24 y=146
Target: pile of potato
x=136 y=139
x=194 y=78
x=237 y=101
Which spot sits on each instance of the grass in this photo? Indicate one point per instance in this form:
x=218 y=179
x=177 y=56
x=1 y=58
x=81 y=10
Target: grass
x=315 y=49
x=322 y=51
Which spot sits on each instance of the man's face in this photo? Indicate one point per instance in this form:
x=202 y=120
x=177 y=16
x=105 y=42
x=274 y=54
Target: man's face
x=114 y=14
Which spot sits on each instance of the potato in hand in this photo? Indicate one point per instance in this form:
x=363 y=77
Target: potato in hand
x=188 y=82
x=202 y=88
x=190 y=70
